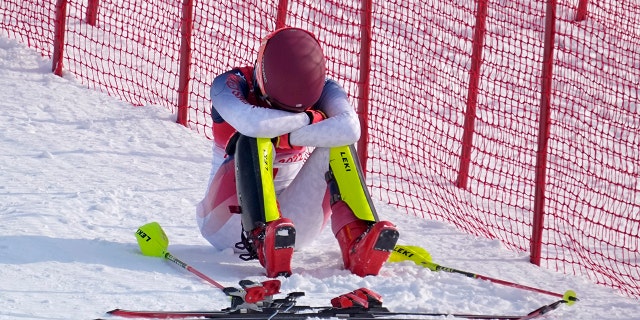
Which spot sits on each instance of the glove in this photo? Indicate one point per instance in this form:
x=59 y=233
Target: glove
x=282 y=142
x=315 y=116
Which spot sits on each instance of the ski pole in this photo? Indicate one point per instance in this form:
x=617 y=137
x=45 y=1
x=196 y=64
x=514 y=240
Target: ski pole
x=153 y=242
x=421 y=257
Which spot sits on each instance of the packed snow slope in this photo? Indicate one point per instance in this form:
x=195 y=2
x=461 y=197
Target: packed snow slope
x=81 y=171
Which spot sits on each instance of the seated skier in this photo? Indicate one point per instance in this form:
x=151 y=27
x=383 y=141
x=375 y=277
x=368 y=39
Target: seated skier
x=284 y=162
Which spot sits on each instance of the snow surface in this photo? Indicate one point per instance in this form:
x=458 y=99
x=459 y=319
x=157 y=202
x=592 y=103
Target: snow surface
x=81 y=171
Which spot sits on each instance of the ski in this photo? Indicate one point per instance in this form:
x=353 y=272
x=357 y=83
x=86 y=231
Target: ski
x=322 y=313
x=543 y=310
x=359 y=304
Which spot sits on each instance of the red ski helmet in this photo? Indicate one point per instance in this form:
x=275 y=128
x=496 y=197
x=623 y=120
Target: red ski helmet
x=290 y=70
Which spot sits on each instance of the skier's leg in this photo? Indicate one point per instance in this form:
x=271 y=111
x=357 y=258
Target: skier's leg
x=216 y=213
x=365 y=241
x=267 y=235
x=305 y=199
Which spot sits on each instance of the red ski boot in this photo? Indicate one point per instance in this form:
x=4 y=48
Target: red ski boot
x=273 y=245
x=366 y=246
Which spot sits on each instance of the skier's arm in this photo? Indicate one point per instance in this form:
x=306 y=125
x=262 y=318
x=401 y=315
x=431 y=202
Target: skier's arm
x=341 y=127
x=228 y=93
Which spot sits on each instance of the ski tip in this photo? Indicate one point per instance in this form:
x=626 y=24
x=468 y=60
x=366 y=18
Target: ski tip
x=570 y=297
